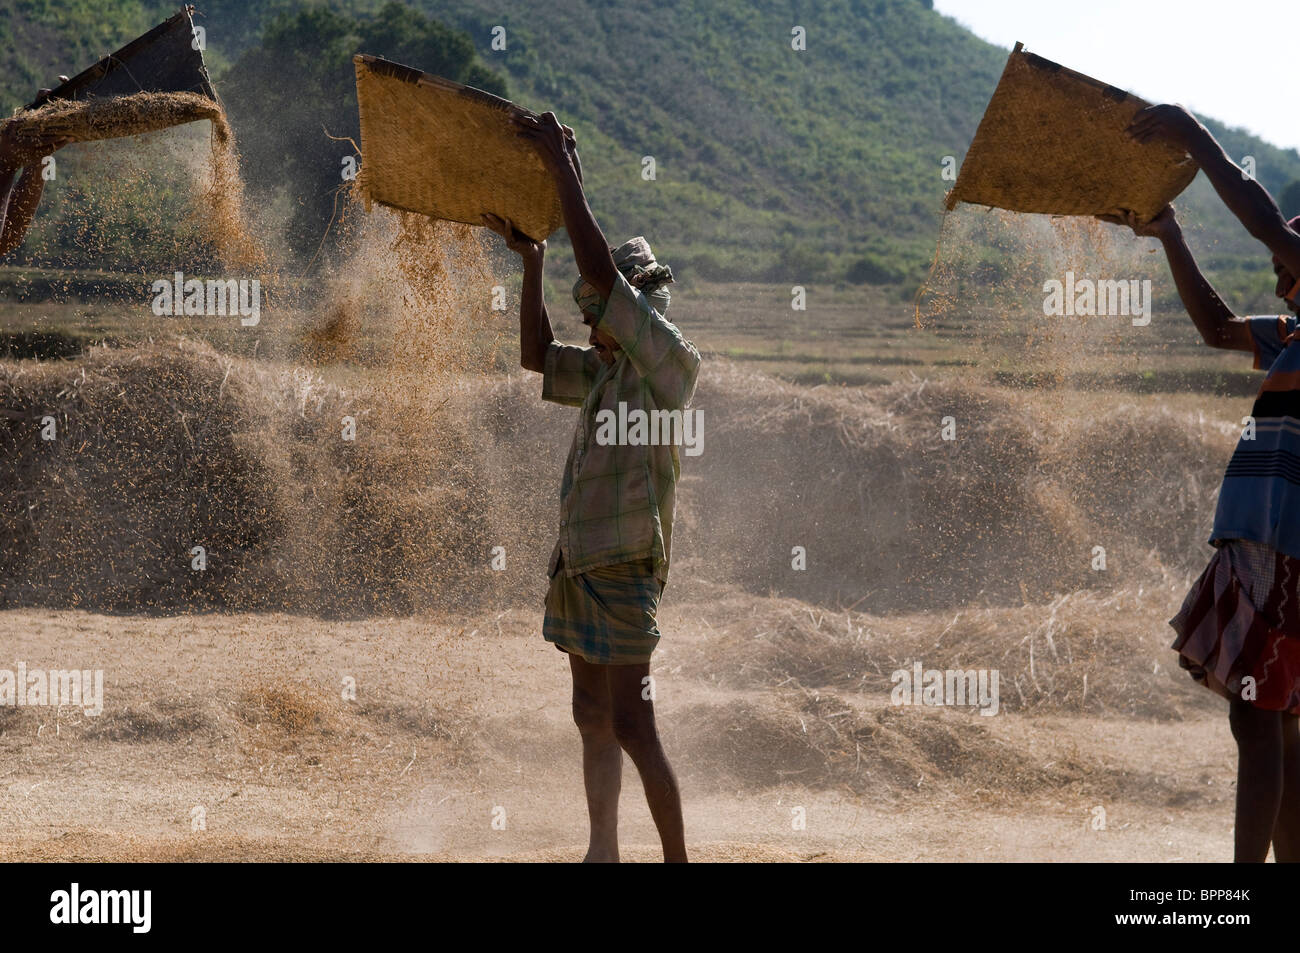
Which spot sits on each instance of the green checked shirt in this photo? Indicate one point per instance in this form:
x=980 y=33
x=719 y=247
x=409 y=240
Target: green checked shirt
x=616 y=499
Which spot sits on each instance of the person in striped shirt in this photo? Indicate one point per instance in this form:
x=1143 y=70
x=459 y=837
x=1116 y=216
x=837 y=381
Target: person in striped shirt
x=1238 y=631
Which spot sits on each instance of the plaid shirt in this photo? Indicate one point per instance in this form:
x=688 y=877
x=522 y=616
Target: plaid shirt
x=616 y=500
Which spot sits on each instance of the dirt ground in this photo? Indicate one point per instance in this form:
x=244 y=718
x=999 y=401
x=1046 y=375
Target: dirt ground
x=227 y=737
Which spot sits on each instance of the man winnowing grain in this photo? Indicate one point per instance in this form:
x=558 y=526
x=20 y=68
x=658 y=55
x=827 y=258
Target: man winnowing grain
x=610 y=563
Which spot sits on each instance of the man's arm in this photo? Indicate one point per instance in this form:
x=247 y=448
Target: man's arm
x=535 y=334
x=1244 y=197
x=559 y=152
x=18 y=207
x=1218 y=325
x=18 y=202
x=7 y=177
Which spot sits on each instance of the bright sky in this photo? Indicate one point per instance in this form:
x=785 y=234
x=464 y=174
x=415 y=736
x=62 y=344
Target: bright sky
x=1232 y=61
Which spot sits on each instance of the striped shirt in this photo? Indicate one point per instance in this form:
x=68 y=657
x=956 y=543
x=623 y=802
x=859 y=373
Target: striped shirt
x=1260 y=496
x=617 y=500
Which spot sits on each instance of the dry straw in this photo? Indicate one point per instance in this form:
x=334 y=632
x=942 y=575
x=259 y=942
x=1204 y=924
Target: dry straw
x=447 y=151
x=1053 y=141
x=114 y=117
x=220 y=209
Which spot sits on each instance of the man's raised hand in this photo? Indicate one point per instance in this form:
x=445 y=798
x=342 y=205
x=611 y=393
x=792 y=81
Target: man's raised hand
x=516 y=240
x=554 y=142
x=1170 y=123
x=1163 y=224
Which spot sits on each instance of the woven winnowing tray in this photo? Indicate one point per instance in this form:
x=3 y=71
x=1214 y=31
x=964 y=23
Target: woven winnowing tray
x=164 y=60
x=1053 y=141
x=156 y=81
x=448 y=151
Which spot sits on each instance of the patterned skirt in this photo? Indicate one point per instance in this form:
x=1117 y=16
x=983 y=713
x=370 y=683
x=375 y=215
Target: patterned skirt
x=1239 y=627
x=605 y=615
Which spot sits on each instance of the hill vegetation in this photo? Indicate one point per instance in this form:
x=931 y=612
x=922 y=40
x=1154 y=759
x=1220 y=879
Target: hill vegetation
x=769 y=162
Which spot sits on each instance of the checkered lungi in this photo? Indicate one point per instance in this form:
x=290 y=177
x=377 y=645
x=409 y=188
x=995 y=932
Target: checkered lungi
x=605 y=615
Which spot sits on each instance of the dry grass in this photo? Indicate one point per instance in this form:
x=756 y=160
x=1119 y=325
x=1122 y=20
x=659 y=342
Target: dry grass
x=165 y=447
x=293 y=709
x=1084 y=652
x=119 y=116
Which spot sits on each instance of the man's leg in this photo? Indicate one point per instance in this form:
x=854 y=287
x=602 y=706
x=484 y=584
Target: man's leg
x=602 y=758
x=634 y=727
x=1286 y=832
x=1259 y=778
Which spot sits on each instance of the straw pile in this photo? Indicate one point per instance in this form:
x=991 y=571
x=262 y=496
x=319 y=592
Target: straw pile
x=1052 y=141
x=163 y=448
x=447 y=151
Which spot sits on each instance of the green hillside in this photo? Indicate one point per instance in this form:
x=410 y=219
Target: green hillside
x=771 y=163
